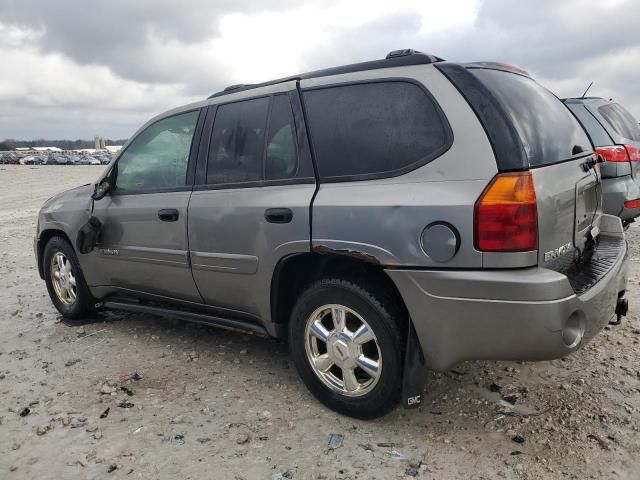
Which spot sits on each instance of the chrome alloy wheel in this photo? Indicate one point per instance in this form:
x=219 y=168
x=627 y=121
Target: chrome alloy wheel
x=342 y=350
x=63 y=279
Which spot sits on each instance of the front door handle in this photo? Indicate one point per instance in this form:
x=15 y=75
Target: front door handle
x=278 y=215
x=168 y=214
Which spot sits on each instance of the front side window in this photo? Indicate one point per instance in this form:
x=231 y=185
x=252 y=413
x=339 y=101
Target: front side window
x=158 y=157
x=379 y=128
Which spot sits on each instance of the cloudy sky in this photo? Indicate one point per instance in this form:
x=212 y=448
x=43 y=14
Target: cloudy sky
x=72 y=69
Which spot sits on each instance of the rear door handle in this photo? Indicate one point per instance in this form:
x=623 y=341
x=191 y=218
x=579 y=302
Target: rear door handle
x=278 y=215
x=168 y=214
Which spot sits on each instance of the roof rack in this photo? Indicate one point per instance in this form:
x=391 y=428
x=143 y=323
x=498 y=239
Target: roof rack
x=395 y=58
x=237 y=87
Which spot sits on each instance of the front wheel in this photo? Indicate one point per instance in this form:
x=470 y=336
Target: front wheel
x=65 y=282
x=347 y=345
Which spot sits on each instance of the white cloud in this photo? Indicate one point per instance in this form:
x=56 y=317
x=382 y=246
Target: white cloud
x=66 y=74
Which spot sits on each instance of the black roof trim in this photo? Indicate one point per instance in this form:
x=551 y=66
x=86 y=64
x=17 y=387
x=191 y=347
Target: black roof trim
x=503 y=67
x=578 y=99
x=397 y=58
x=507 y=145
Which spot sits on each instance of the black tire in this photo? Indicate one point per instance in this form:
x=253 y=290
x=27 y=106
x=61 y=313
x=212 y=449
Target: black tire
x=387 y=321
x=84 y=304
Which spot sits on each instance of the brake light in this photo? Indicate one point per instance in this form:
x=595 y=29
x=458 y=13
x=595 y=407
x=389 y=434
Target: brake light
x=506 y=215
x=633 y=153
x=632 y=203
x=619 y=153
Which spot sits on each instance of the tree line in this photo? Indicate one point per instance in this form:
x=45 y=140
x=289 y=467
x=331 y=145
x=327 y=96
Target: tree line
x=10 y=144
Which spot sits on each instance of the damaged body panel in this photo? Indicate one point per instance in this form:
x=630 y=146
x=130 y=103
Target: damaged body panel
x=62 y=214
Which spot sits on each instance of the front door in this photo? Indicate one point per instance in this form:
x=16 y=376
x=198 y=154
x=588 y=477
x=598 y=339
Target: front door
x=143 y=244
x=251 y=207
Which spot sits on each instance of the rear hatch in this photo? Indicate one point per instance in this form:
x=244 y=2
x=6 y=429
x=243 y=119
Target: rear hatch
x=531 y=129
x=617 y=164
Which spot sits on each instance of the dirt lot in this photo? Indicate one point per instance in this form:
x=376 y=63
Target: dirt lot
x=222 y=405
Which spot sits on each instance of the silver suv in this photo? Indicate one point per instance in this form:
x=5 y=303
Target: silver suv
x=385 y=218
x=616 y=135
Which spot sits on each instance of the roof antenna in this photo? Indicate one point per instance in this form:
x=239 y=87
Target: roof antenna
x=585 y=92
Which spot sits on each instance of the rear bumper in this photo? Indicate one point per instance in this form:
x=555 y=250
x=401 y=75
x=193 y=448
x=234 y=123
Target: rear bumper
x=527 y=314
x=616 y=191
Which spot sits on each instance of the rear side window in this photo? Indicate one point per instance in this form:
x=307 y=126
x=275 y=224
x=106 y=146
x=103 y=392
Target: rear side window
x=598 y=135
x=374 y=129
x=237 y=142
x=247 y=147
x=546 y=128
x=621 y=121
x=281 y=159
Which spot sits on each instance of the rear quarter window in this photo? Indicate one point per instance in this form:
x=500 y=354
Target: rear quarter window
x=373 y=130
x=547 y=130
x=621 y=121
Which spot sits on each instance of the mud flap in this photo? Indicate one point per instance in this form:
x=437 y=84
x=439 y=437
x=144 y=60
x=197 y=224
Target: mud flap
x=415 y=371
x=88 y=235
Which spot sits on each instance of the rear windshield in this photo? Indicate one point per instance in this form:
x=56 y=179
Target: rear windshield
x=621 y=121
x=548 y=131
x=597 y=133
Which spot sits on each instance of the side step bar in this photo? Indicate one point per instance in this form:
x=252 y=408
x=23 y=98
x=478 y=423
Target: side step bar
x=216 y=321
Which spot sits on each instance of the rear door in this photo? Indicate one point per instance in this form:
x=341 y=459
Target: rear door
x=558 y=152
x=250 y=207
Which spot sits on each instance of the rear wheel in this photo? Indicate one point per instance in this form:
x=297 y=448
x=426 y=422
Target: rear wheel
x=65 y=282
x=347 y=346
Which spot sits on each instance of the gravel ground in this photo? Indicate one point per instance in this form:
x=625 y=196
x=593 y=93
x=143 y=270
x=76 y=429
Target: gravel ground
x=222 y=405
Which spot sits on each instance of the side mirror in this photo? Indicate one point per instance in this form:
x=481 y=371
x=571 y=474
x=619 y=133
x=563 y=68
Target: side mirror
x=102 y=189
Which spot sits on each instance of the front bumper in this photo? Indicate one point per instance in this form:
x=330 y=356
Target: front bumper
x=527 y=314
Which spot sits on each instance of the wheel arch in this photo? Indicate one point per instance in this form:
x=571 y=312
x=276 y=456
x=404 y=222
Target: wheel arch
x=44 y=237
x=298 y=271
x=294 y=273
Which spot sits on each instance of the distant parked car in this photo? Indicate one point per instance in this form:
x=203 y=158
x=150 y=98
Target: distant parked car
x=8 y=158
x=31 y=160
x=616 y=136
x=58 y=159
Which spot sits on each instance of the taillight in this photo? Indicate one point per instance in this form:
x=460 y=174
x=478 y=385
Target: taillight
x=619 y=153
x=506 y=215
x=632 y=203
x=633 y=153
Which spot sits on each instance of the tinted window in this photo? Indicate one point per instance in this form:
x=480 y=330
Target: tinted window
x=599 y=136
x=281 y=159
x=373 y=128
x=237 y=142
x=158 y=157
x=545 y=126
x=621 y=121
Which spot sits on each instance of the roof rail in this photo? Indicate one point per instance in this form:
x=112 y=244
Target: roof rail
x=396 y=58
x=237 y=87
x=410 y=51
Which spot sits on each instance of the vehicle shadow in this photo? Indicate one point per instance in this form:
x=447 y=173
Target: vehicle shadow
x=474 y=392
